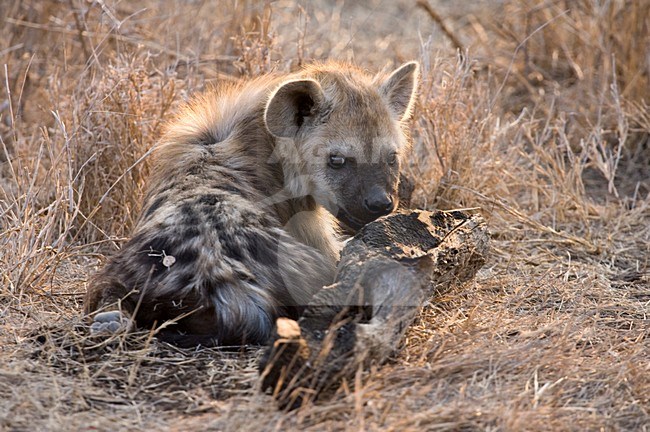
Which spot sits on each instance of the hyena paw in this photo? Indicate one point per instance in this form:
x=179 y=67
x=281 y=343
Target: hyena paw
x=108 y=322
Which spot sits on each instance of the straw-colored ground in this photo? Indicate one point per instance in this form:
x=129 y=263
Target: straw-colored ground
x=542 y=123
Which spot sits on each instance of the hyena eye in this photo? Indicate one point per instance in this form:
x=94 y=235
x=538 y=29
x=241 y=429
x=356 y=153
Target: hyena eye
x=392 y=159
x=336 y=161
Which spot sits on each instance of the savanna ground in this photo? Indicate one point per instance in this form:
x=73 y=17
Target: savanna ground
x=534 y=113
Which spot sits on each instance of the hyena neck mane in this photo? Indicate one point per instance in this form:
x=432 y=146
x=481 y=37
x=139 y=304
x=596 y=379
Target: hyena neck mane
x=219 y=140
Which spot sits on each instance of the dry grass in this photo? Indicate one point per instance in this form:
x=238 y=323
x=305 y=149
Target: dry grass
x=543 y=124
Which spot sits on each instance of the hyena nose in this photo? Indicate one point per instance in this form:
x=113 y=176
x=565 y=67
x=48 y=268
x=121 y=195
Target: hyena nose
x=379 y=204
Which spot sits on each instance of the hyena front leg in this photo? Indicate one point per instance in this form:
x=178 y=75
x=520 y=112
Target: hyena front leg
x=316 y=228
x=304 y=269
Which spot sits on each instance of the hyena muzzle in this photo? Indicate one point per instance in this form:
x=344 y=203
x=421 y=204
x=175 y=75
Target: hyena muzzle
x=239 y=225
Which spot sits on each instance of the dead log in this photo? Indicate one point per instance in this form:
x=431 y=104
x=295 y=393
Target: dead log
x=386 y=274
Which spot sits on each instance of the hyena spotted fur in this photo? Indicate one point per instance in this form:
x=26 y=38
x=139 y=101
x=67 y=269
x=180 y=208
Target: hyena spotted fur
x=240 y=224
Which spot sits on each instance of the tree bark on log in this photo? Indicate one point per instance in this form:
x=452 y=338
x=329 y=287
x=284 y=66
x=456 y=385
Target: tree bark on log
x=386 y=274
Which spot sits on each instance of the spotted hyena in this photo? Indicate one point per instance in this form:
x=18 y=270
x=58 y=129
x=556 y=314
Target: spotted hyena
x=240 y=222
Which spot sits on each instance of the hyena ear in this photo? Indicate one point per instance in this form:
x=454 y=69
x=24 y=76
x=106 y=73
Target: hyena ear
x=291 y=105
x=399 y=89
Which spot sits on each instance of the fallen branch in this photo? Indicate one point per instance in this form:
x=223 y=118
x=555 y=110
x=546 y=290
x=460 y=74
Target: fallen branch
x=387 y=272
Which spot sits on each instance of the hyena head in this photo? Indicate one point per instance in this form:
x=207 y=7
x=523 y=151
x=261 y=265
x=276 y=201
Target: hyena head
x=341 y=137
